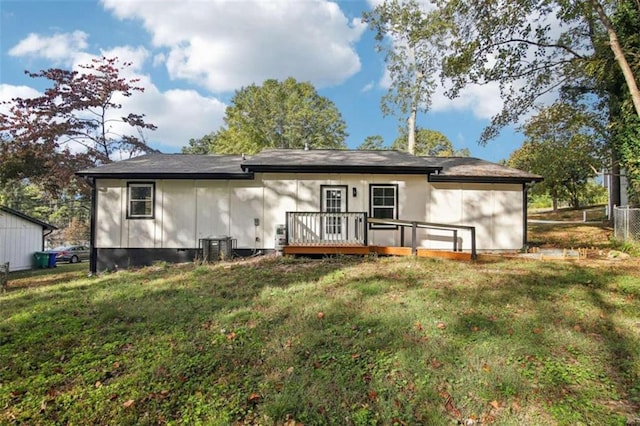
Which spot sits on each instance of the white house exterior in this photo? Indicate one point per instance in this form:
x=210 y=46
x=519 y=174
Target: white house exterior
x=159 y=206
x=20 y=237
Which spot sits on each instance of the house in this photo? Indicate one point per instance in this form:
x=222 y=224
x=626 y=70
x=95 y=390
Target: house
x=20 y=237
x=162 y=206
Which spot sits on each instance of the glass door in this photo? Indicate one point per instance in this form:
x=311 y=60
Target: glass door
x=334 y=200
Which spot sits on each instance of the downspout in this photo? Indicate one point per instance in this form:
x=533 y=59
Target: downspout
x=45 y=236
x=525 y=212
x=93 y=253
x=525 y=207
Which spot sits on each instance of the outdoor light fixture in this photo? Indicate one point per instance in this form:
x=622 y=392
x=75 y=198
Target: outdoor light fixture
x=355 y=191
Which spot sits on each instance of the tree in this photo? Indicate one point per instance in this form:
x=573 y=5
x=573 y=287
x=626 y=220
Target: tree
x=562 y=147
x=429 y=143
x=41 y=135
x=277 y=114
x=530 y=47
x=372 y=143
x=410 y=39
x=535 y=49
x=203 y=145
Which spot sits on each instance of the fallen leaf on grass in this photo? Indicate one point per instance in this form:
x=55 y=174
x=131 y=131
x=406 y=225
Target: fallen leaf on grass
x=418 y=326
x=441 y=325
x=320 y=315
x=231 y=336
x=254 y=397
x=450 y=406
x=475 y=328
x=495 y=404
x=436 y=364
x=128 y=403
x=486 y=368
x=373 y=395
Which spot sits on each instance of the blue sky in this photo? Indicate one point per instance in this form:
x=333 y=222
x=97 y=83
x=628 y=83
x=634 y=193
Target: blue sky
x=192 y=56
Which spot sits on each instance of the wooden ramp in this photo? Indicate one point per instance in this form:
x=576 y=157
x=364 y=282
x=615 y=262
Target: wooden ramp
x=329 y=250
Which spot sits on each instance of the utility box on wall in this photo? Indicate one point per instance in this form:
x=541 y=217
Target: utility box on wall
x=280 y=238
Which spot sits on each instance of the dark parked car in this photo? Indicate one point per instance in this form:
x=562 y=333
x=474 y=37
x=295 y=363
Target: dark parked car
x=71 y=254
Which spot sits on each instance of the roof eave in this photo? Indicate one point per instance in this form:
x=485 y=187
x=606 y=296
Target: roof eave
x=28 y=218
x=350 y=169
x=484 y=179
x=177 y=176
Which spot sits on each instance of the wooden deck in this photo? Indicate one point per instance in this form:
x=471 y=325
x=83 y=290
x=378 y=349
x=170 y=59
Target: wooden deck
x=360 y=250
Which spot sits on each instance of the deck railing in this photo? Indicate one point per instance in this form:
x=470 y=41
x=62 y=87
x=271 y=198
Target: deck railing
x=323 y=228
x=414 y=225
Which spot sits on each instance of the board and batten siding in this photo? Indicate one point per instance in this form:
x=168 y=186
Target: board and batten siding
x=19 y=240
x=496 y=210
x=250 y=210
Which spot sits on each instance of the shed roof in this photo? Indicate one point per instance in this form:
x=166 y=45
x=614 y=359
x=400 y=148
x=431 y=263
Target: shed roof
x=26 y=217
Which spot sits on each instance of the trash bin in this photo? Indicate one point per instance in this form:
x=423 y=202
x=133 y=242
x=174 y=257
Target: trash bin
x=41 y=259
x=52 y=260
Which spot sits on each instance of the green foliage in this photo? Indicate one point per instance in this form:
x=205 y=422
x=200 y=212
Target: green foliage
x=410 y=38
x=286 y=114
x=562 y=147
x=203 y=145
x=375 y=142
x=70 y=205
x=430 y=143
x=400 y=341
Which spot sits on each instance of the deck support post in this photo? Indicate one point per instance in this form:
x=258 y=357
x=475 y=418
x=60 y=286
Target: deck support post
x=474 y=253
x=455 y=240
x=414 y=234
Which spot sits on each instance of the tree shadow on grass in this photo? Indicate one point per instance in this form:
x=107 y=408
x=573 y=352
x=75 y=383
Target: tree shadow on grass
x=331 y=342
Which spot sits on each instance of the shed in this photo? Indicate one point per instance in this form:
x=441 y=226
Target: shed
x=20 y=237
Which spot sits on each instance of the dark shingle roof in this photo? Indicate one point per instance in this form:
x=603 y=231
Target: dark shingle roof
x=469 y=169
x=173 y=166
x=325 y=160
x=45 y=225
x=197 y=166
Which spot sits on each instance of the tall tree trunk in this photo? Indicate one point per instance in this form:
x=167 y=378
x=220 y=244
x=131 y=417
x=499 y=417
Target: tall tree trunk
x=619 y=55
x=411 y=130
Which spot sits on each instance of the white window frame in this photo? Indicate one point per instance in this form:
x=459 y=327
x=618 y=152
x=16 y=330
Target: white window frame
x=150 y=199
x=373 y=207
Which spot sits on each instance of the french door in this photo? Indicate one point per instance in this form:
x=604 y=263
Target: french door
x=334 y=200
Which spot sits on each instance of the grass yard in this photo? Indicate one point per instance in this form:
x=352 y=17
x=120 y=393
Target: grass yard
x=345 y=341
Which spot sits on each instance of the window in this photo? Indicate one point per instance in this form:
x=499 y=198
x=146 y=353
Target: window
x=383 y=204
x=140 y=203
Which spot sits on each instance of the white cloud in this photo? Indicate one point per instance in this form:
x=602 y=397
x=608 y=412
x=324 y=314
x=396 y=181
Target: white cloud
x=223 y=45
x=179 y=114
x=57 y=48
x=483 y=100
x=367 y=87
x=8 y=92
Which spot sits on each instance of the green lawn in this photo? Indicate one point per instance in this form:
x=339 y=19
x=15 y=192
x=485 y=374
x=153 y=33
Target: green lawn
x=345 y=341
